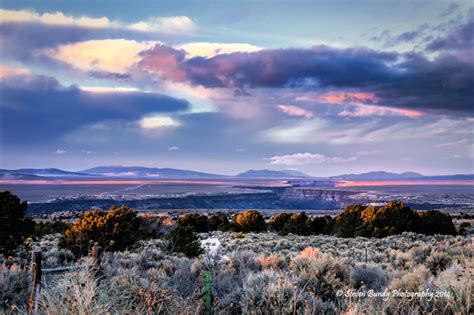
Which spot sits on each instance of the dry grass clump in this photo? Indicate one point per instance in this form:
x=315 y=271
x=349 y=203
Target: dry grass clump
x=270 y=261
x=75 y=293
x=14 y=287
x=310 y=252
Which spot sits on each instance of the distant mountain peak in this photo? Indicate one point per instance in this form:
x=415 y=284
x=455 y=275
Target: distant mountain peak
x=380 y=175
x=148 y=172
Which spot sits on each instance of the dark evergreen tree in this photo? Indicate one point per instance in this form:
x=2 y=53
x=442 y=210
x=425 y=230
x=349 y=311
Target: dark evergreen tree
x=14 y=225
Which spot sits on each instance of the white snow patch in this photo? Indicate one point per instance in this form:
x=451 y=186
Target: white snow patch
x=211 y=245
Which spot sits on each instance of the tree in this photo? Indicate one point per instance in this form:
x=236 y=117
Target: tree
x=435 y=222
x=14 y=225
x=350 y=221
x=182 y=239
x=115 y=230
x=321 y=225
x=394 y=218
x=197 y=222
x=368 y=214
x=278 y=221
x=249 y=221
x=218 y=222
x=298 y=224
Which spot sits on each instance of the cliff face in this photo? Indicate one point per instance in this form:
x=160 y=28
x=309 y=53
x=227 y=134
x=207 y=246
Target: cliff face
x=278 y=198
x=311 y=198
x=285 y=198
x=316 y=194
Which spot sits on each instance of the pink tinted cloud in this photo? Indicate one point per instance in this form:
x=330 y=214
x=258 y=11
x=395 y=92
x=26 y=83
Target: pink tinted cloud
x=165 y=61
x=337 y=97
x=369 y=110
x=366 y=103
x=292 y=110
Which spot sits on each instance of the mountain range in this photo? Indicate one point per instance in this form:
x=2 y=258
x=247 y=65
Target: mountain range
x=379 y=175
x=140 y=172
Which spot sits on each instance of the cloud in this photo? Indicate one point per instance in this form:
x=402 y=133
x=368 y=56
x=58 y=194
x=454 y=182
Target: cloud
x=297 y=111
x=112 y=55
x=458 y=42
x=407 y=81
x=48 y=110
x=272 y=67
x=61 y=151
x=450 y=9
x=54 y=18
x=25 y=33
x=158 y=122
x=12 y=71
x=368 y=152
x=389 y=40
x=370 y=110
x=173 y=24
x=173 y=148
x=108 y=89
x=365 y=130
x=306 y=158
x=207 y=50
x=361 y=104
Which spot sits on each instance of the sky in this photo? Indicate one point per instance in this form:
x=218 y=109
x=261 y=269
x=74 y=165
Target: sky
x=323 y=87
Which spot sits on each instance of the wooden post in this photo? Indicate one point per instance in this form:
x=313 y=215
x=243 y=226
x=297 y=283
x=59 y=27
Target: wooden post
x=35 y=279
x=97 y=256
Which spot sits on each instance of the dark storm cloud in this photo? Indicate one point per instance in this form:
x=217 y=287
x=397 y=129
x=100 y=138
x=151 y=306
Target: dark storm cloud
x=322 y=66
x=445 y=84
x=38 y=108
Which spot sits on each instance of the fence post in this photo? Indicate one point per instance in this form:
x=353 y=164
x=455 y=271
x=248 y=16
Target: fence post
x=35 y=279
x=208 y=293
x=97 y=256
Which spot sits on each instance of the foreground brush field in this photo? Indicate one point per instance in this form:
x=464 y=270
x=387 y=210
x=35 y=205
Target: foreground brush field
x=260 y=273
